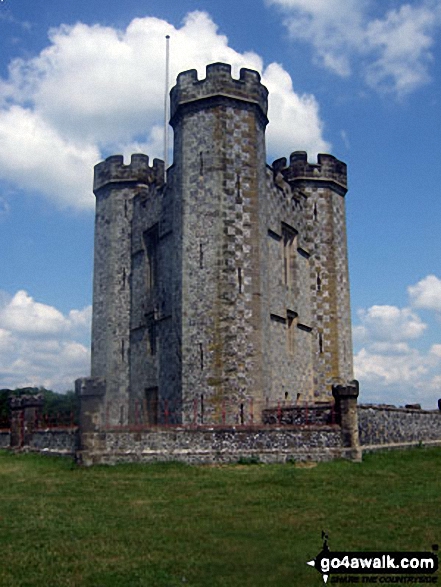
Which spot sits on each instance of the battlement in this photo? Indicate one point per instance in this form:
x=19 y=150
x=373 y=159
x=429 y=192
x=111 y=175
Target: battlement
x=218 y=82
x=113 y=170
x=327 y=168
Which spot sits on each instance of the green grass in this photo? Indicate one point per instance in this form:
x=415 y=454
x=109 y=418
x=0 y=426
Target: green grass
x=175 y=525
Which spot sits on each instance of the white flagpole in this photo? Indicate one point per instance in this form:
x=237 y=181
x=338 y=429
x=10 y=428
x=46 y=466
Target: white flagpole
x=166 y=102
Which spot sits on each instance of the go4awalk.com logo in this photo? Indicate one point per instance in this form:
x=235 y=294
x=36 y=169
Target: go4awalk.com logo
x=376 y=567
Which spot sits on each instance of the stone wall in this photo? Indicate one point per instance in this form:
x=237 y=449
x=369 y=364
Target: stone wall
x=380 y=427
x=55 y=441
x=5 y=439
x=205 y=446
x=387 y=426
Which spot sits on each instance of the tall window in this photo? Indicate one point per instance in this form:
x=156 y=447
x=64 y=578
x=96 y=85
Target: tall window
x=291 y=324
x=151 y=238
x=289 y=252
x=151 y=334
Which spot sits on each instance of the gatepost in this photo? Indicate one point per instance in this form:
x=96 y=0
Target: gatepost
x=346 y=409
x=25 y=415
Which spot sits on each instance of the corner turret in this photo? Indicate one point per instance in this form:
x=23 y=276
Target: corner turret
x=327 y=169
x=113 y=170
x=218 y=84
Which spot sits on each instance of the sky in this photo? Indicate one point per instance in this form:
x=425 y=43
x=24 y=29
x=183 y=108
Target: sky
x=360 y=79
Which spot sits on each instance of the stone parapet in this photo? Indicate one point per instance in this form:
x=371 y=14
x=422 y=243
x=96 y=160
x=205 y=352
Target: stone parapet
x=328 y=168
x=218 y=83
x=113 y=171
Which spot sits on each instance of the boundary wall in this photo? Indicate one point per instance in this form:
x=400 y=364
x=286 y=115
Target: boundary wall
x=339 y=430
x=387 y=427
x=215 y=445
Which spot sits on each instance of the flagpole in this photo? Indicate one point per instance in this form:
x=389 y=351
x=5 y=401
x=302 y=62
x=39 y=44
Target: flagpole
x=166 y=102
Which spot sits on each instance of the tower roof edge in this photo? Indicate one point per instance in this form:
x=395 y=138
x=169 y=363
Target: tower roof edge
x=219 y=82
x=328 y=168
x=113 y=170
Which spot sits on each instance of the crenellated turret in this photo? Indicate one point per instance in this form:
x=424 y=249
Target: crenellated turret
x=115 y=186
x=323 y=186
x=219 y=157
x=327 y=169
x=189 y=91
x=113 y=170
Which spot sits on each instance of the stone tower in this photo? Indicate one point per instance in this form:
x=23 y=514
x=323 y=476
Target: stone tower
x=224 y=290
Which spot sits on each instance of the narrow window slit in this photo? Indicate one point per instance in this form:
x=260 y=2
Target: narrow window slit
x=239 y=276
x=201 y=256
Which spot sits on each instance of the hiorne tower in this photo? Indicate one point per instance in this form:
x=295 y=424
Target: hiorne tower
x=224 y=289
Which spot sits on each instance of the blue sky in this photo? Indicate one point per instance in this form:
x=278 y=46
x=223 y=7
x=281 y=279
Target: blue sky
x=358 y=78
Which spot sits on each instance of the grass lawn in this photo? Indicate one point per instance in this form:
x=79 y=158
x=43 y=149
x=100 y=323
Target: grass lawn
x=175 y=525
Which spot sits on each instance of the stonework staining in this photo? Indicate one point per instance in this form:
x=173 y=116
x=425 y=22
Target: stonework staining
x=224 y=290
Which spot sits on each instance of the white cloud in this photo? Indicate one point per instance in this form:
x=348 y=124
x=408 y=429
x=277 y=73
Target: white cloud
x=404 y=368
x=95 y=90
x=40 y=346
x=291 y=116
x=406 y=377
x=5 y=339
x=390 y=369
x=34 y=156
x=26 y=316
x=394 y=51
x=426 y=294
x=388 y=324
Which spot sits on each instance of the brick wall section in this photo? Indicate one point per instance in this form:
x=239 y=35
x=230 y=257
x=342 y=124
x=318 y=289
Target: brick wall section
x=380 y=425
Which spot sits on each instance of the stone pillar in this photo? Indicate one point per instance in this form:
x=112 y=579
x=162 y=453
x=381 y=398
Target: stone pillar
x=25 y=414
x=91 y=392
x=346 y=409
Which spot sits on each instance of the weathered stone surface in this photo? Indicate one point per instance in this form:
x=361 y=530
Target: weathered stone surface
x=384 y=425
x=55 y=441
x=271 y=445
